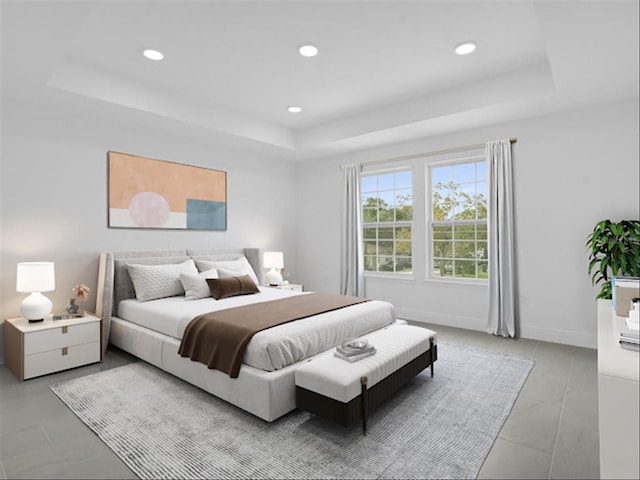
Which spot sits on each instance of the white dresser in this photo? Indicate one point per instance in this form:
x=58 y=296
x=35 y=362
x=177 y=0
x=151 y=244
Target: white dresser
x=619 y=399
x=35 y=349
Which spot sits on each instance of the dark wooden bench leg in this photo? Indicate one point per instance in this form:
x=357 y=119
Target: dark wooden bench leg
x=363 y=395
x=431 y=354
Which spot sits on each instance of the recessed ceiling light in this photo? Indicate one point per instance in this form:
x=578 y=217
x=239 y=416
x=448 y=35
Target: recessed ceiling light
x=308 y=50
x=294 y=109
x=465 y=48
x=153 y=54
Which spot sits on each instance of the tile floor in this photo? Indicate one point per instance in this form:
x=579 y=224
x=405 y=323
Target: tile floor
x=552 y=431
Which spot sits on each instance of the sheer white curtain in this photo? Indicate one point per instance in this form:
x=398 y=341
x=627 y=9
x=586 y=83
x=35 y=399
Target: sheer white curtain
x=502 y=312
x=352 y=260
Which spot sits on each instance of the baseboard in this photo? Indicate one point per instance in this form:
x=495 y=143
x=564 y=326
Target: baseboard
x=553 y=335
x=439 y=318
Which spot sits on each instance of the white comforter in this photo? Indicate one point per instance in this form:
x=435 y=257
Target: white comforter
x=275 y=347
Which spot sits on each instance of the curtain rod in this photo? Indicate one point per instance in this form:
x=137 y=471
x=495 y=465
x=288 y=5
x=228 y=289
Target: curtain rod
x=432 y=153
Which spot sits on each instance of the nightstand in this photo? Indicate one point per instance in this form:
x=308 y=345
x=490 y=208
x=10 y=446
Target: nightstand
x=35 y=349
x=294 y=287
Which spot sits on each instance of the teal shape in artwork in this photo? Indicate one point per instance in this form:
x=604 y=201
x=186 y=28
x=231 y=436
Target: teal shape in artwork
x=206 y=215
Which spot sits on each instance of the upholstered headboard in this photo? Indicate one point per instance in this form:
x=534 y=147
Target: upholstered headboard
x=114 y=283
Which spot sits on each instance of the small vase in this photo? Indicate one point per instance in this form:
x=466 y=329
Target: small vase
x=72 y=307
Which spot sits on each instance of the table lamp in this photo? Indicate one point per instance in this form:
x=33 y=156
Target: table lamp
x=35 y=278
x=274 y=261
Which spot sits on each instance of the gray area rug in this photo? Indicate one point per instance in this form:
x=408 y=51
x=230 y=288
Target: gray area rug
x=441 y=427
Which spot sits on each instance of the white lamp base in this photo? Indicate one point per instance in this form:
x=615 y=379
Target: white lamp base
x=273 y=278
x=35 y=307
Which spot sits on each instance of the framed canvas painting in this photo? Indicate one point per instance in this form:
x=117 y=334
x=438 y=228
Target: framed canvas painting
x=148 y=193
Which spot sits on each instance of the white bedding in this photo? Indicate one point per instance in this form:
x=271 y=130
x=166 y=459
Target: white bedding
x=270 y=349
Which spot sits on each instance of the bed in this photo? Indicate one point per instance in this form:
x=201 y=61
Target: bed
x=151 y=328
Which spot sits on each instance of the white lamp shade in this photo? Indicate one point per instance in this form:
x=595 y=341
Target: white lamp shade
x=35 y=277
x=273 y=260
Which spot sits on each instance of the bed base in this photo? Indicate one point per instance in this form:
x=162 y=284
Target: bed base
x=267 y=395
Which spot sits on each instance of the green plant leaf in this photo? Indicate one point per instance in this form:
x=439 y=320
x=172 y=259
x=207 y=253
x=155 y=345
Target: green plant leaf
x=604 y=263
x=605 y=291
x=613 y=249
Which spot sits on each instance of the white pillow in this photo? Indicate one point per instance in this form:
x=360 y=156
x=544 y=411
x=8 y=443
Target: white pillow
x=195 y=284
x=159 y=281
x=230 y=268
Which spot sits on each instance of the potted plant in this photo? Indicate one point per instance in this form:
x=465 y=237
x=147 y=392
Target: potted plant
x=614 y=250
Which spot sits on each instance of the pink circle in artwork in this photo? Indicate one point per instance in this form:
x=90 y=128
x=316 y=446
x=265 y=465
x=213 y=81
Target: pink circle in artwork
x=149 y=209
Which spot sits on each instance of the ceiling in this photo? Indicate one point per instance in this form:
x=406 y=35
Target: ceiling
x=386 y=71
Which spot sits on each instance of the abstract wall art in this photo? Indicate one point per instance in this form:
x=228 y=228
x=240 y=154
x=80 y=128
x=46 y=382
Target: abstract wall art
x=148 y=193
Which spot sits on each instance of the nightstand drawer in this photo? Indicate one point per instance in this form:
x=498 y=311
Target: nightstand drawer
x=61 y=359
x=64 y=336
x=294 y=287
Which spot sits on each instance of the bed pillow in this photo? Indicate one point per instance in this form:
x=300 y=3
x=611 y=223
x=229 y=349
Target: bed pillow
x=159 y=281
x=195 y=284
x=230 y=268
x=231 y=286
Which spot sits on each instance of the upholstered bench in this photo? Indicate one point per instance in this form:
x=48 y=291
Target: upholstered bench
x=345 y=392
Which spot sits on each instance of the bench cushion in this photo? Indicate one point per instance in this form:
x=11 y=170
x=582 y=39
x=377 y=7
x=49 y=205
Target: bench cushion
x=335 y=378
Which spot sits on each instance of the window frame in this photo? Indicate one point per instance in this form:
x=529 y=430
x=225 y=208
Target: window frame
x=390 y=224
x=430 y=223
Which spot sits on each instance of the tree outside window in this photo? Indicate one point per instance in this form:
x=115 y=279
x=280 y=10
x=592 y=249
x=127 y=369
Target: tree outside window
x=387 y=212
x=458 y=225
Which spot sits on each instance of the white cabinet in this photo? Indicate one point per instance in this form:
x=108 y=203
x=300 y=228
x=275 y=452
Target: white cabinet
x=619 y=399
x=35 y=349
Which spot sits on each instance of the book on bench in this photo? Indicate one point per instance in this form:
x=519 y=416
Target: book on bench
x=353 y=350
x=355 y=358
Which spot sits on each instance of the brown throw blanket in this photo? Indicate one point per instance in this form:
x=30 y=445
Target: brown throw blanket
x=219 y=339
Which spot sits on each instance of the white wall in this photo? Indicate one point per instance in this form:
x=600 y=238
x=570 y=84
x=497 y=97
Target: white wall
x=53 y=199
x=571 y=170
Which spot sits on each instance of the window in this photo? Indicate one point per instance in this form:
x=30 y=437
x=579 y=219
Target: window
x=458 y=220
x=387 y=214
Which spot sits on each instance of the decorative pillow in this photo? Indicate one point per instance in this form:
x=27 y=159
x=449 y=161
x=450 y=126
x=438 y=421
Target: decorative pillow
x=195 y=284
x=158 y=281
x=231 y=286
x=230 y=268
